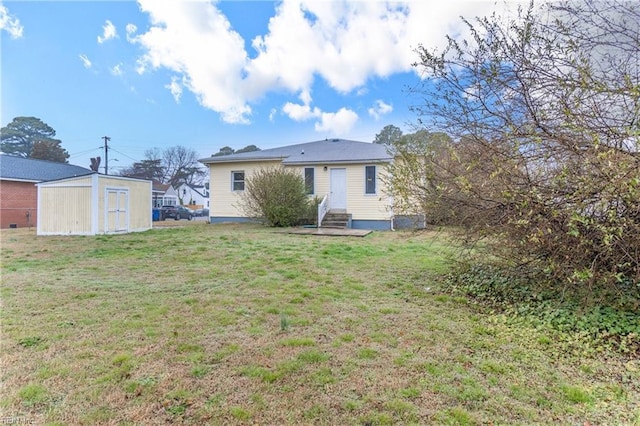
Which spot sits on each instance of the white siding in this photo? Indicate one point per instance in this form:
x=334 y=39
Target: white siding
x=76 y=206
x=223 y=201
x=64 y=210
x=140 y=202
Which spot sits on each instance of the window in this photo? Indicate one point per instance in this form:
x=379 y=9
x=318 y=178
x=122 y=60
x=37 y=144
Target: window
x=309 y=181
x=237 y=181
x=370 y=180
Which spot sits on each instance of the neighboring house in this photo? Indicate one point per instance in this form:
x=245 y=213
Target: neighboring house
x=94 y=204
x=348 y=173
x=195 y=195
x=18 y=192
x=163 y=195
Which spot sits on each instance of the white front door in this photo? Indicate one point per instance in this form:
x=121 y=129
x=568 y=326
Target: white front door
x=117 y=214
x=338 y=185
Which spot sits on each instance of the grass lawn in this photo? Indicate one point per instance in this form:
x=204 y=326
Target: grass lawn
x=239 y=324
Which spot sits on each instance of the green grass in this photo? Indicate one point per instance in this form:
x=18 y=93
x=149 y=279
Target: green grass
x=230 y=324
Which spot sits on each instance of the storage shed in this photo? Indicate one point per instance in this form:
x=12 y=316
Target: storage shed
x=94 y=204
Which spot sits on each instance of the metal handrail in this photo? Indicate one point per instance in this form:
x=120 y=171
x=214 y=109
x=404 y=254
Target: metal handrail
x=323 y=208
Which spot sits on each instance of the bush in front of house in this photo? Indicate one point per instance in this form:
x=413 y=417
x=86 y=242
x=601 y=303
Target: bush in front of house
x=277 y=196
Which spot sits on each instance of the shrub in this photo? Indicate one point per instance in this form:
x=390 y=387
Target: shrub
x=600 y=320
x=276 y=195
x=543 y=161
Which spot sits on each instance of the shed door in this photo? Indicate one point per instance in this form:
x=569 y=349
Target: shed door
x=117 y=219
x=338 y=184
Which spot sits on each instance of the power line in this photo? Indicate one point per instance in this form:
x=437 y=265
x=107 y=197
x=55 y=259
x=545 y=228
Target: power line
x=122 y=153
x=75 y=154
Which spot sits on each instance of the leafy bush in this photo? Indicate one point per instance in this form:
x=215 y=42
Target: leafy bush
x=277 y=196
x=310 y=216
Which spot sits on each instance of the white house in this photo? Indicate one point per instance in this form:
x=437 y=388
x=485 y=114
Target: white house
x=163 y=195
x=345 y=174
x=194 y=195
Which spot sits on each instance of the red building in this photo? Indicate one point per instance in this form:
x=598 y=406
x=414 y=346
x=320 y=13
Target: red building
x=18 y=192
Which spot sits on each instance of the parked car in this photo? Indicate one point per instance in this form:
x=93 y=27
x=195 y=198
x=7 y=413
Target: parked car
x=176 y=212
x=201 y=212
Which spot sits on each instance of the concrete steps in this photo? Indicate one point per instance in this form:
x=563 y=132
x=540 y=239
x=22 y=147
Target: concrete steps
x=338 y=219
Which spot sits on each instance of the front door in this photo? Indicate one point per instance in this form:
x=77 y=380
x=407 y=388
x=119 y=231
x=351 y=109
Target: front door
x=117 y=214
x=338 y=185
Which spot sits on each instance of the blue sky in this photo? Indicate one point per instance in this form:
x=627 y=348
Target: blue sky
x=205 y=74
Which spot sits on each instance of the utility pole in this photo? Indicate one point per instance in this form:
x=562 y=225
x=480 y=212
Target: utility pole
x=106 y=154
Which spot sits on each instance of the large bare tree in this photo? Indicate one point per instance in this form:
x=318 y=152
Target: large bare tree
x=175 y=165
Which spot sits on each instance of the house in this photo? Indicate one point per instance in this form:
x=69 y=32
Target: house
x=194 y=195
x=18 y=192
x=345 y=174
x=94 y=204
x=163 y=195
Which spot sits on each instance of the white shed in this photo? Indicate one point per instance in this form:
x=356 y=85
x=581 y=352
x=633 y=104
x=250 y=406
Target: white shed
x=94 y=204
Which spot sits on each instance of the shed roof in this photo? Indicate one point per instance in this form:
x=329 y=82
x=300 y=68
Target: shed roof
x=32 y=170
x=319 y=152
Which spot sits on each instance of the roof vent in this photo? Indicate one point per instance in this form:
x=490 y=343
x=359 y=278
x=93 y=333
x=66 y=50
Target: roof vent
x=302 y=152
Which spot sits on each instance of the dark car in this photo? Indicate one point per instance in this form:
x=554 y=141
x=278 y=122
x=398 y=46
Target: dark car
x=176 y=212
x=201 y=212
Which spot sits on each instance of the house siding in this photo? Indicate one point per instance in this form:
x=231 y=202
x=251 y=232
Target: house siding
x=371 y=207
x=18 y=204
x=361 y=206
x=223 y=201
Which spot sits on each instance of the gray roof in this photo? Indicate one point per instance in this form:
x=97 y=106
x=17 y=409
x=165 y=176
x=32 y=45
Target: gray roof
x=30 y=170
x=319 y=152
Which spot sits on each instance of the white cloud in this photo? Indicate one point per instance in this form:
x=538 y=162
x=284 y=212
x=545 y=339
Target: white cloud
x=345 y=43
x=10 y=24
x=272 y=114
x=305 y=96
x=117 y=70
x=299 y=112
x=131 y=31
x=337 y=123
x=108 y=32
x=85 y=61
x=195 y=40
x=379 y=109
x=175 y=88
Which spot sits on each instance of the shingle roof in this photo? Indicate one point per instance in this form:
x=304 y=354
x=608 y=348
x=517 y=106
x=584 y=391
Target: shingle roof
x=199 y=189
x=318 y=152
x=160 y=187
x=28 y=169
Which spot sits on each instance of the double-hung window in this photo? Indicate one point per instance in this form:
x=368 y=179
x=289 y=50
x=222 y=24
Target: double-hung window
x=309 y=180
x=370 y=179
x=237 y=180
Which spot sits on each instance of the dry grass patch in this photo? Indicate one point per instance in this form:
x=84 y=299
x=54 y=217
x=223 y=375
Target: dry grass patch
x=230 y=324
